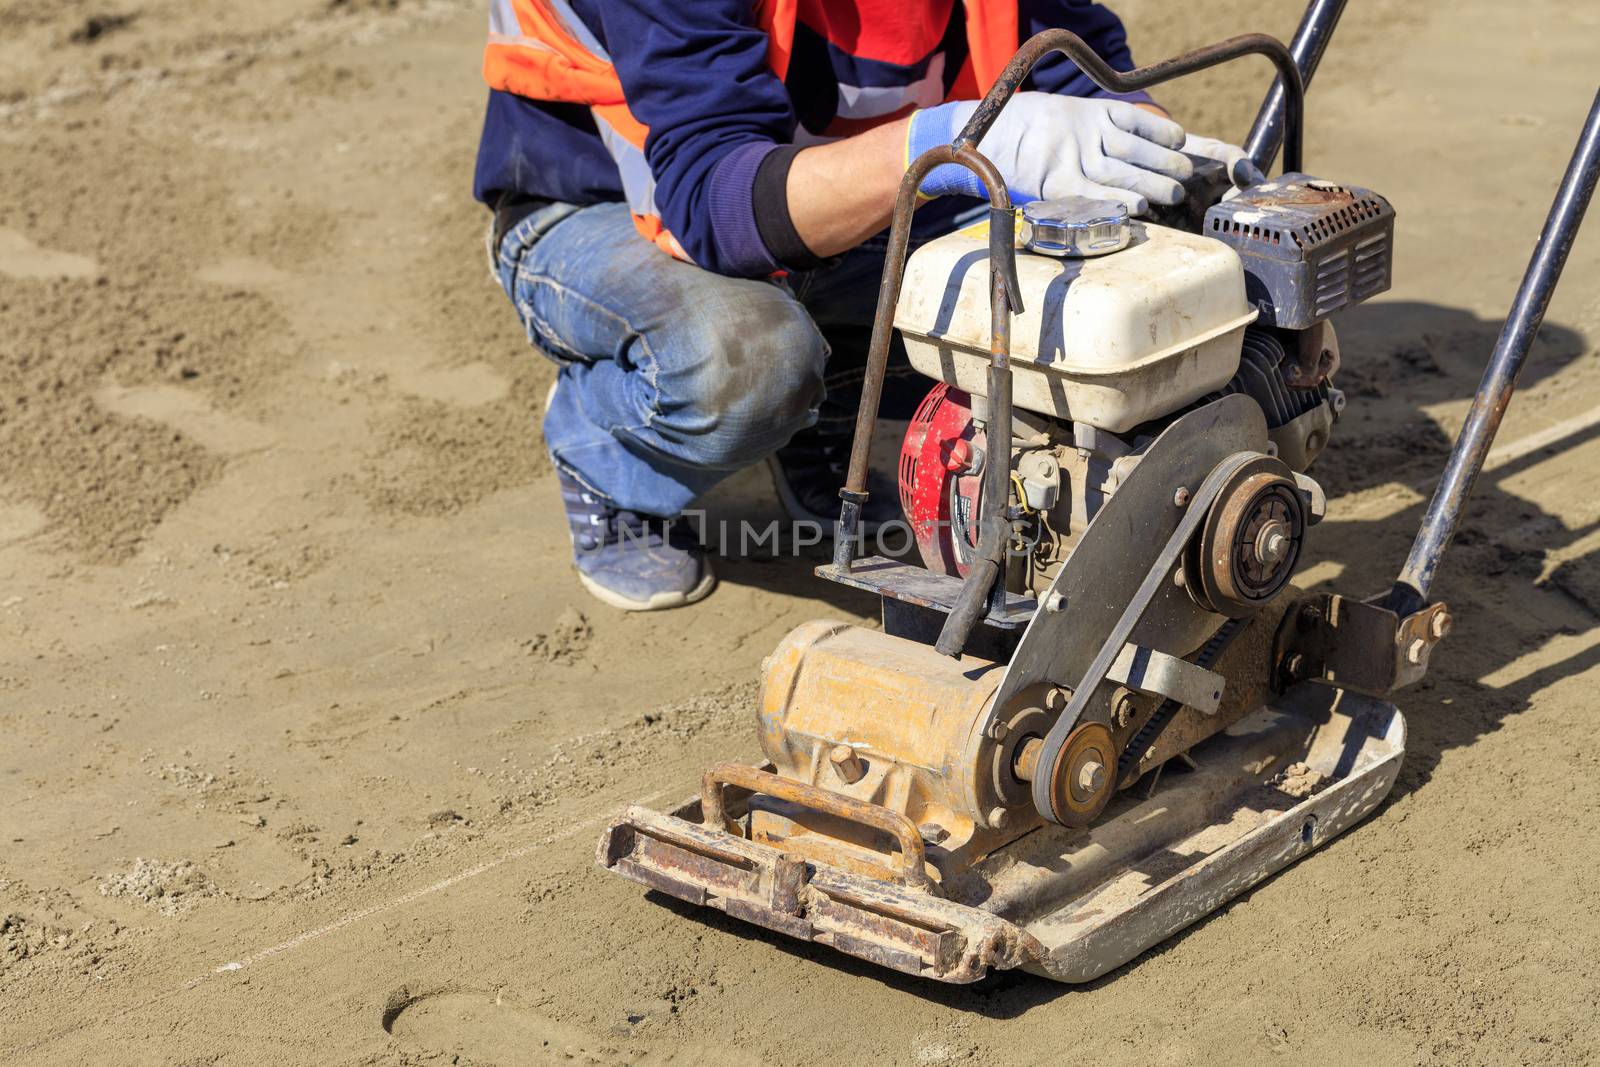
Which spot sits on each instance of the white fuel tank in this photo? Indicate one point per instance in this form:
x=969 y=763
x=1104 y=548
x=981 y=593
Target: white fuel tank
x=1111 y=341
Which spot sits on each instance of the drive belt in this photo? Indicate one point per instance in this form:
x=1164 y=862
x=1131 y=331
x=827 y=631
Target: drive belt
x=1151 y=731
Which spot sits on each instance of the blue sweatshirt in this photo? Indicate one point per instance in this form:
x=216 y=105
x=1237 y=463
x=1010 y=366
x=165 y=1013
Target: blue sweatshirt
x=723 y=127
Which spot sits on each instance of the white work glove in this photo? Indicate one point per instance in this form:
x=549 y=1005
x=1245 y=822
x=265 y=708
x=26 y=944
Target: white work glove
x=1050 y=146
x=1229 y=155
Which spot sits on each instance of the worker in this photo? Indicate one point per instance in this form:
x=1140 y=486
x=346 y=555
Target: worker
x=689 y=198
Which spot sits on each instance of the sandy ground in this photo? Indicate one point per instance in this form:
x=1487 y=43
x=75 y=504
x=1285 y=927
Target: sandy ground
x=308 y=729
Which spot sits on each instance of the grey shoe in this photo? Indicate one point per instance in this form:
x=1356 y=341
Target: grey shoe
x=631 y=561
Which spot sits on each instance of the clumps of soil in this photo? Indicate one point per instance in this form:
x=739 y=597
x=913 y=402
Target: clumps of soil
x=288 y=555
x=185 y=777
x=22 y=938
x=566 y=641
x=1422 y=356
x=170 y=888
x=362 y=6
x=1427 y=355
x=97 y=26
x=1363 y=380
x=687 y=718
x=1300 y=780
x=1479 y=553
x=1363 y=377
x=47 y=932
x=35 y=950
x=436 y=458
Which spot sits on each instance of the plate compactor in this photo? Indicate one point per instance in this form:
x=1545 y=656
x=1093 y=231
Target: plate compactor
x=1101 y=709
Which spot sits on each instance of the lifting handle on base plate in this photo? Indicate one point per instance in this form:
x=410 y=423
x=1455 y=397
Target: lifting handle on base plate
x=913 y=854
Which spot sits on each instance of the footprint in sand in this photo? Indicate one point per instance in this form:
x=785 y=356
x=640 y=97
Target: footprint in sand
x=188 y=412
x=21 y=258
x=485 y=1028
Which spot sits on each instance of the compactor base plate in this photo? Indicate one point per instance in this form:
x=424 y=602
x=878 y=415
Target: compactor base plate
x=1068 y=904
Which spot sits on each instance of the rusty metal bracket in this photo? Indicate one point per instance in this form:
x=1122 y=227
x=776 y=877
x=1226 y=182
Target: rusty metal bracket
x=1357 y=645
x=913 y=854
x=1153 y=672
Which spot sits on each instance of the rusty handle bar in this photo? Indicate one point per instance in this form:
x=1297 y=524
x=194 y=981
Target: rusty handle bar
x=985 y=587
x=1114 y=81
x=1003 y=300
x=1510 y=353
x=913 y=854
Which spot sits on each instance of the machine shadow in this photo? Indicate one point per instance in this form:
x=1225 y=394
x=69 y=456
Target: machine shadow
x=1401 y=359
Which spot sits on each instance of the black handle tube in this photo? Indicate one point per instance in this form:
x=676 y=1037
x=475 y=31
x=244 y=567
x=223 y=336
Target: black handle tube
x=1510 y=353
x=1307 y=46
x=985 y=585
x=986 y=574
x=1114 y=81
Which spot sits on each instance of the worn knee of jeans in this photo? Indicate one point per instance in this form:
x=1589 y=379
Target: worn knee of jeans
x=758 y=381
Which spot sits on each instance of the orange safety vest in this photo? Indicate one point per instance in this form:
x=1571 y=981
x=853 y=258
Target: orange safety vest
x=541 y=50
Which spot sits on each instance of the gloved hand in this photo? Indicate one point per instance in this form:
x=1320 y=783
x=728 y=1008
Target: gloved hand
x=1230 y=156
x=1050 y=146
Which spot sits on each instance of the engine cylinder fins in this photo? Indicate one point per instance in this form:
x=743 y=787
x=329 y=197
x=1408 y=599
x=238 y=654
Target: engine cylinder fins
x=1250 y=543
x=1263 y=368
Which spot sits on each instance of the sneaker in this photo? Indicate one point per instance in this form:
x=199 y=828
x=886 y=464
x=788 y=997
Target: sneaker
x=809 y=471
x=631 y=561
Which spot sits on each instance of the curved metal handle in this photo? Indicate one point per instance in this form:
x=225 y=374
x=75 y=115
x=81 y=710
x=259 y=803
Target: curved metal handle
x=1114 y=81
x=913 y=854
x=1004 y=299
x=1002 y=259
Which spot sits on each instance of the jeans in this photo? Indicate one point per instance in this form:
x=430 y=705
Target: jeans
x=672 y=377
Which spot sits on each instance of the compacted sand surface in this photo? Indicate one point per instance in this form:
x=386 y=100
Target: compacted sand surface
x=308 y=729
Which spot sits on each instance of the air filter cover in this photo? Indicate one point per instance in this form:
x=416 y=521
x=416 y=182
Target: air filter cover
x=1309 y=247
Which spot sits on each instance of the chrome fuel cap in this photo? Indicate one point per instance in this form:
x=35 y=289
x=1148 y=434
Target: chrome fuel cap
x=1075 y=226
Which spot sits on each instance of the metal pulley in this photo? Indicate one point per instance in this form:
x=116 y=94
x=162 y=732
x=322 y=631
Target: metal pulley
x=1250 y=543
x=1084 y=777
